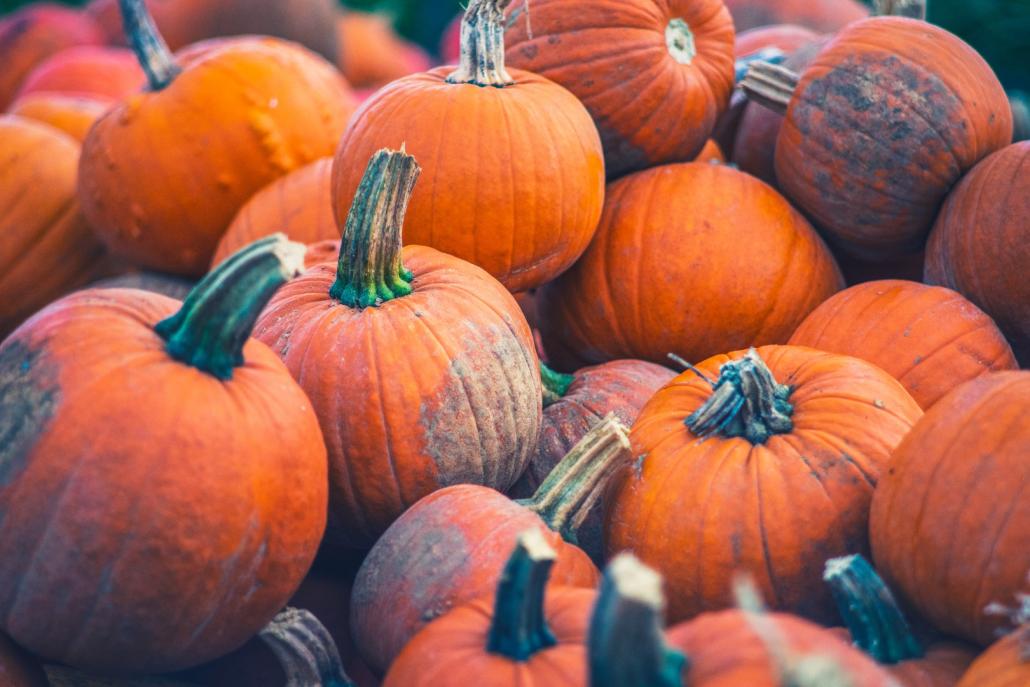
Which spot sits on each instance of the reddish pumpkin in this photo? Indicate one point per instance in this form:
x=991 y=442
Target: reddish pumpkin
x=372 y=54
x=950 y=522
x=980 y=245
x=678 y=53
x=99 y=73
x=71 y=114
x=1006 y=663
x=722 y=262
x=819 y=15
x=18 y=669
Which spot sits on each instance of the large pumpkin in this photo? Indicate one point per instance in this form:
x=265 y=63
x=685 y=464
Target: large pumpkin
x=653 y=75
x=794 y=440
x=46 y=247
x=162 y=478
x=880 y=126
x=1006 y=663
x=818 y=15
x=929 y=338
x=950 y=520
x=721 y=262
x=73 y=115
x=87 y=71
x=493 y=145
x=980 y=245
x=18 y=669
x=237 y=115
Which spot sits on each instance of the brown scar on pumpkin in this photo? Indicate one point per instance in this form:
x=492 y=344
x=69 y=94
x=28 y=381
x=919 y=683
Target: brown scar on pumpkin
x=28 y=397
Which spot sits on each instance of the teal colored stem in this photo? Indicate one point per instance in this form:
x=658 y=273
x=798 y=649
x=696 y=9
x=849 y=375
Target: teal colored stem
x=519 y=627
x=153 y=54
x=555 y=384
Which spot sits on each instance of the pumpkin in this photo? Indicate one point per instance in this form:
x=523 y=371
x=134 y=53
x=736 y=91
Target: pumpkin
x=450 y=41
x=949 y=521
x=73 y=115
x=678 y=55
x=237 y=115
x=980 y=245
x=34 y=33
x=155 y=282
x=878 y=627
x=46 y=246
x=722 y=262
x=794 y=442
x=879 y=127
x=573 y=403
x=819 y=15
x=1005 y=664
x=492 y=143
x=784 y=37
x=711 y=153
x=17 y=669
x=371 y=52
x=298 y=204
x=88 y=71
x=161 y=474
x=929 y=338
x=516 y=638
x=450 y=547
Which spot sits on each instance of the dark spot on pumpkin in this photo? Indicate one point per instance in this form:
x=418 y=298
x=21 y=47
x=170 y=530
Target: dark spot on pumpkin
x=28 y=397
x=530 y=51
x=553 y=40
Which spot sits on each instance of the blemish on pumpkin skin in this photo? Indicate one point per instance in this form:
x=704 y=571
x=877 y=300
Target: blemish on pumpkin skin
x=28 y=396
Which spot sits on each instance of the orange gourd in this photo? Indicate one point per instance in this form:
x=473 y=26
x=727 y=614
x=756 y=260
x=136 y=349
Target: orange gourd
x=71 y=114
x=372 y=54
x=654 y=75
x=818 y=15
x=18 y=669
x=100 y=73
x=1006 y=663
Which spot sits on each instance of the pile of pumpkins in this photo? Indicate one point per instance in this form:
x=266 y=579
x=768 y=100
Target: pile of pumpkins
x=632 y=348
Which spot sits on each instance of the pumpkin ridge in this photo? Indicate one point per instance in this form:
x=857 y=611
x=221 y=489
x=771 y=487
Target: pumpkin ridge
x=766 y=554
x=370 y=339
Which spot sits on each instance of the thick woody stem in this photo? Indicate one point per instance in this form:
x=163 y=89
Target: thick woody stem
x=770 y=85
x=482 y=46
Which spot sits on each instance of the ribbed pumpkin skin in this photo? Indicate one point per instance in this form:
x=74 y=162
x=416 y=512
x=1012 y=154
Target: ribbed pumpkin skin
x=818 y=15
x=694 y=259
x=298 y=204
x=269 y=107
x=88 y=71
x=451 y=652
x=699 y=510
x=725 y=651
x=71 y=114
x=491 y=162
x=17 y=669
x=980 y=245
x=46 y=247
x=950 y=521
x=431 y=389
x=1003 y=664
x=445 y=551
x=884 y=121
x=929 y=338
x=152 y=516
x=649 y=108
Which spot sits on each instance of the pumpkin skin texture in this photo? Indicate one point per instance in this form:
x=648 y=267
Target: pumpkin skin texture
x=777 y=509
x=46 y=246
x=71 y=114
x=764 y=270
x=372 y=54
x=818 y=15
x=929 y=338
x=1003 y=664
x=871 y=164
x=88 y=71
x=979 y=244
x=17 y=669
x=667 y=110
x=950 y=552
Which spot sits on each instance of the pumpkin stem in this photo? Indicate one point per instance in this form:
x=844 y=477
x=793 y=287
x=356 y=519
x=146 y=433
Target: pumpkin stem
x=568 y=493
x=151 y=50
x=626 y=645
x=556 y=384
x=869 y=610
x=482 y=46
x=769 y=55
x=915 y=9
x=746 y=402
x=370 y=271
x=305 y=650
x=215 y=321
x=519 y=629
x=770 y=85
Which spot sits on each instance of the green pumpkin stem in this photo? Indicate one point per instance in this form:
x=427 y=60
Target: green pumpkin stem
x=555 y=384
x=745 y=402
x=770 y=85
x=914 y=9
x=482 y=46
x=153 y=54
x=217 y=317
x=566 y=496
x=519 y=629
x=626 y=645
x=370 y=271
x=305 y=649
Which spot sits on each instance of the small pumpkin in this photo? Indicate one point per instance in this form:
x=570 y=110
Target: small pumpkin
x=929 y=338
x=450 y=547
x=669 y=276
x=101 y=73
x=492 y=143
x=980 y=244
x=1006 y=663
x=949 y=521
x=71 y=114
x=18 y=669
x=372 y=54
x=161 y=473
x=522 y=638
x=819 y=15
x=654 y=75
x=235 y=116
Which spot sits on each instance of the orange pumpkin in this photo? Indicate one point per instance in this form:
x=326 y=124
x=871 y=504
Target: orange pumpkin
x=18 y=669
x=1006 y=663
x=818 y=15
x=71 y=114
x=46 y=247
x=711 y=153
x=653 y=75
x=371 y=52
x=237 y=115
x=980 y=245
x=950 y=522
x=929 y=338
x=162 y=557
x=722 y=262
x=794 y=442
x=492 y=145
x=88 y=71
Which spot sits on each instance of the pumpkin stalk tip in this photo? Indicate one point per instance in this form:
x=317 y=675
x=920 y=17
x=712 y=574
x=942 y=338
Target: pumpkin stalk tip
x=482 y=46
x=519 y=628
x=770 y=85
x=914 y=9
x=153 y=54
x=305 y=650
x=555 y=384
